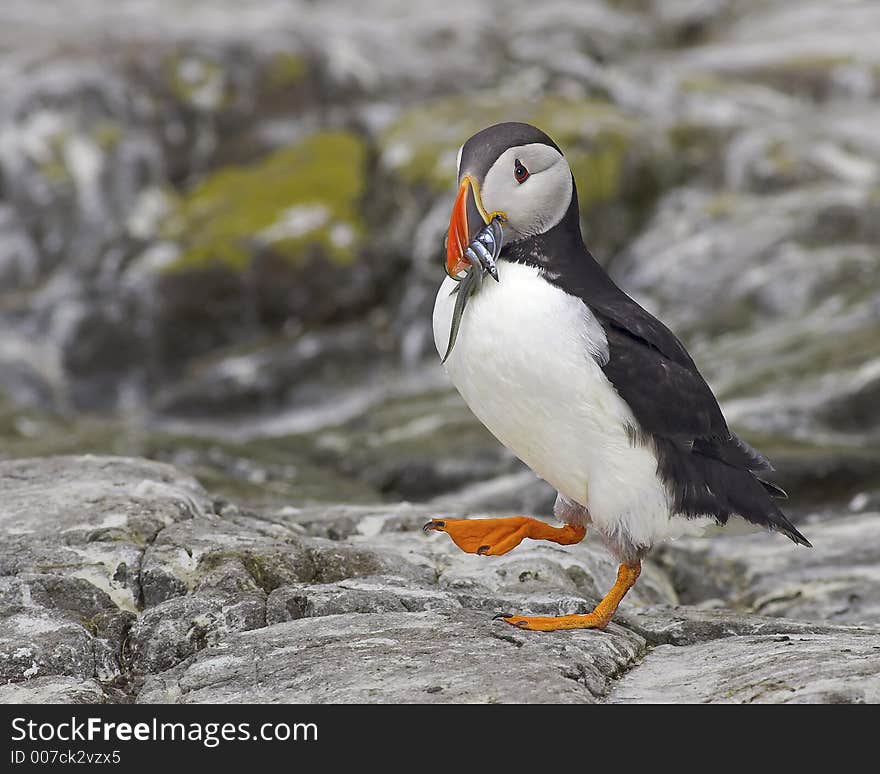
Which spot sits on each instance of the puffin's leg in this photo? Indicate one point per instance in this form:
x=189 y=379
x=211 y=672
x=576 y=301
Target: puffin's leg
x=491 y=537
x=627 y=574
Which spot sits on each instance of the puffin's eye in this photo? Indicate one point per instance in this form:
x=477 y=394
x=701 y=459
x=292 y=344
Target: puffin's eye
x=520 y=173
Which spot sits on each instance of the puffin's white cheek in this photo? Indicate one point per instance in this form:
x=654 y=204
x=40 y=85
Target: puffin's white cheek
x=521 y=217
x=539 y=204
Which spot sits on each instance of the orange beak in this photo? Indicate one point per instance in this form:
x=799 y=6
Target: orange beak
x=468 y=217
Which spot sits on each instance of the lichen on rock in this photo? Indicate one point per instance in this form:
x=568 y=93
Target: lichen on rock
x=296 y=200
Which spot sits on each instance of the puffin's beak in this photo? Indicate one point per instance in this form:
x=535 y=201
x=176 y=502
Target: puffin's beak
x=469 y=217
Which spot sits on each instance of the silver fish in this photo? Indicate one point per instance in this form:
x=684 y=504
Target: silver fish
x=486 y=247
x=482 y=262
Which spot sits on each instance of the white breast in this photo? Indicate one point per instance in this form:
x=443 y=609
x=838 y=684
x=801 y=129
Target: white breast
x=525 y=362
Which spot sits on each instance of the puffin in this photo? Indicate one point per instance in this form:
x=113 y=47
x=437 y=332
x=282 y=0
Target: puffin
x=593 y=393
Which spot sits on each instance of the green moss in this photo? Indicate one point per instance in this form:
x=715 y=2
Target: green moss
x=812 y=63
x=571 y=121
x=704 y=83
x=55 y=172
x=721 y=206
x=92 y=623
x=321 y=178
x=598 y=171
x=268 y=572
x=812 y=75
x=54 y=169
x=798 y=71
x=286 y=70
x=215 y=559
x=107 y=135
x=695 y=146
x=780 y=156
x=687 y=137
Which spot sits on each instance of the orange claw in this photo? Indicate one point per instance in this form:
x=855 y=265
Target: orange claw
x=492 y=537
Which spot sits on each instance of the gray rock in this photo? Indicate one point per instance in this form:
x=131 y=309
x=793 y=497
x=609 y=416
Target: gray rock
x=834 y=582
x=361 y=595
x=399 y=657
x=210 y=576
x=90 y=518
x=839 y=666
x=173 y=630
x=686 y=625
x=75 y=530
x=216 y=553
x=53 y=690
x=39 y=643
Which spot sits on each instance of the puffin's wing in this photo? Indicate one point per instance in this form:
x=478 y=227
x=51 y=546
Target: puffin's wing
x=660 y=382
x=710 y=470
x=653 y=372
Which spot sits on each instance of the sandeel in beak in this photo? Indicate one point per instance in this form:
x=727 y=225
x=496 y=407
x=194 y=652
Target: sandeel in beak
x=473 y=245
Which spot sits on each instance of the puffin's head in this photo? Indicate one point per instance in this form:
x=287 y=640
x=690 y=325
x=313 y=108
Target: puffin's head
x=513 y=171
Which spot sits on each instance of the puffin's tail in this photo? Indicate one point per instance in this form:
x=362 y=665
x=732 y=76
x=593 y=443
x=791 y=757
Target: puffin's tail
x=753 y=499
x=781 y=524
x=720 y=478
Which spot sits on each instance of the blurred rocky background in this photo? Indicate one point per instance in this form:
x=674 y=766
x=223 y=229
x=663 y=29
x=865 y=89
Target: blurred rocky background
x=220 y=237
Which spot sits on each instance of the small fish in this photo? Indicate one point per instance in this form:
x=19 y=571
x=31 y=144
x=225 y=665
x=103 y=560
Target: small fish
x=486 y=247
x=470 y=284
x=482 y=261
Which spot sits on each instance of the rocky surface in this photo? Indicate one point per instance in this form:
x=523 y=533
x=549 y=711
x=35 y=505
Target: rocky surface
x=220 y=237
x=398 y=657
x=828 y=666
x=122 y=580
x=837 y=582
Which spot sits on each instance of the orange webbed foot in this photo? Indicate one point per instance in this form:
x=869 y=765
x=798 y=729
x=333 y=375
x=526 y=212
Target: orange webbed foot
x=493 y=537
x=554 y=623
x=627 y=574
